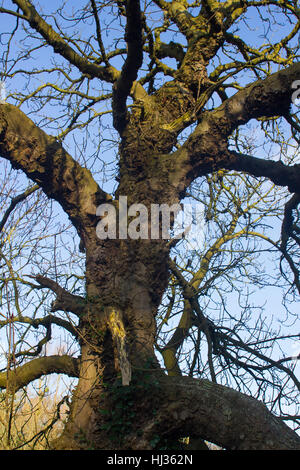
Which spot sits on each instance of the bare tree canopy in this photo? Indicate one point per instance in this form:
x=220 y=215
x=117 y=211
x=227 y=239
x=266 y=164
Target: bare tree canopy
x=149 y=219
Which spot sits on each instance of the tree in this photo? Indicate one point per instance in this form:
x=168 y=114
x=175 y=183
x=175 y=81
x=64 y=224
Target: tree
x=184 y=80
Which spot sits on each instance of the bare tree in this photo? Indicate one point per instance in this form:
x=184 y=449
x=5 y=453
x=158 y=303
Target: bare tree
x=155 y=104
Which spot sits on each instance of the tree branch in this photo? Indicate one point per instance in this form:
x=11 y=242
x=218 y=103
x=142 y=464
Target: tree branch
x=98 y=32
x=268 y=97
x=64 y=300
x=200 y=408
x=280 y=174
x=133 y=62
x=190 y=294
x=206 y=149
x=23 y=375
x=13 y=13
x=46 y=162
x=177 y=11
x=60 y=46
x=14 y=202
x=44 y=321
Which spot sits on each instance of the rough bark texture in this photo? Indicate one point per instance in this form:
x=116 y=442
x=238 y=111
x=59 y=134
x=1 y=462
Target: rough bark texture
x=125 y=280
x=198 y=407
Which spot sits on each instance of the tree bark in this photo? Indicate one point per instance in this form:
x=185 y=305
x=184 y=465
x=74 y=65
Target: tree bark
x=177 y=407
x=36 y=368
x=200 y=408
x=125 y=281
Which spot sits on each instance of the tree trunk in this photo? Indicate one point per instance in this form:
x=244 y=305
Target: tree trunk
x=155 y=411
x=125 y=283
x=144 y=408
x=123 y=399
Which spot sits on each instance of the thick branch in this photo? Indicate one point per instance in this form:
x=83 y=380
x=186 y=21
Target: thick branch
x=34 y=369
x=280 y=174
x=172 y=49
x=177 y=11
x=62 y=47
x=235 y=421
x=133 y=62
x=207 y=147
x=64 y=300
x=45 y=161
x=268 y=97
